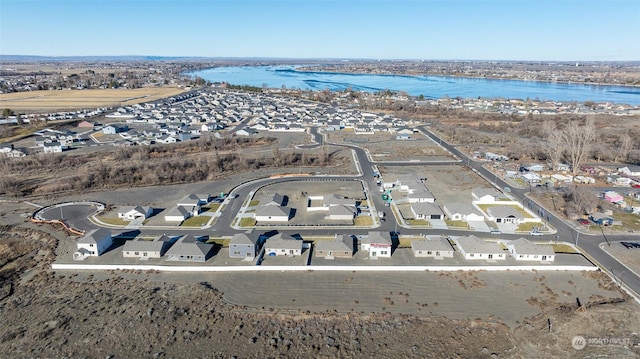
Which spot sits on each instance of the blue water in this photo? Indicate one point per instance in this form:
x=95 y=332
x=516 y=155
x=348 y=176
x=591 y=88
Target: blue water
x=429 y=86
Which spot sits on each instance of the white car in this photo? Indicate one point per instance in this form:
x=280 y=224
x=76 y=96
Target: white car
x=536 y=233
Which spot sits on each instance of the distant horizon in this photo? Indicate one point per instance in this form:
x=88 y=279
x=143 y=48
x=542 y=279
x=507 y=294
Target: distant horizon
x=161 y=57
x=467 y=30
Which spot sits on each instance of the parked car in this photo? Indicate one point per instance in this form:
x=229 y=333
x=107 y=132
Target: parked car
x=535 y=233
x=630 y=245
x=584 y=222
x=495 y=231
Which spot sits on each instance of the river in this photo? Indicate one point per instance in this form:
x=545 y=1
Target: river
x=428 y=86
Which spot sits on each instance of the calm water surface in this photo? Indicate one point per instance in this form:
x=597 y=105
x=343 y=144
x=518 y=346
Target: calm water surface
x=429 y=86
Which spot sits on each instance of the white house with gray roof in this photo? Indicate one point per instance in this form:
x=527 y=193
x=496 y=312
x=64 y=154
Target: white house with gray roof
x=472 y=248
x=274 y=213
x=136 y=212
x=432 y=247
x=524 y=250
x=377 y=244
x=462 y=211
x=282 y=245
x=139 y=248
x=93 y=244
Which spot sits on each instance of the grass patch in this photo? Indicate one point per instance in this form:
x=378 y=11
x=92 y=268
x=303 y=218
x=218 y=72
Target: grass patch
x=405 y=242
x=629 y=220
x=247 y=222
x=197 y=221
x=254 y=203
x=528 y=227
x=211 y=208
x=458 y=224
x=363 y=221
x=563 y=248
x=114 y=221
x=418 y=222
x=224 y=242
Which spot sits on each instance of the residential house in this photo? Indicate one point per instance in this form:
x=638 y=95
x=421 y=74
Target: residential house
x=282 y=245
x=189 y=249
x=601 y=219
x=505 y=214
x=268 y=213
x=342 y=212
x=524 y=250
x=133 y=213
x=52 y=147
x=177 y=214
x=426 y=210
x=244 y=245
x=612 y=196
x=93 y=244
x=462 y=211
x=486 y=195
x=193 y=202
x=339 y=247
x=275 y=199
x=377 y=244
x=432 y=247
x=246 y=131
x=114 y=128
x=139 y=248
x=472 y=247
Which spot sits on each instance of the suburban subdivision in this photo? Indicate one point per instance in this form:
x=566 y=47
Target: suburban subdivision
x=267 y=204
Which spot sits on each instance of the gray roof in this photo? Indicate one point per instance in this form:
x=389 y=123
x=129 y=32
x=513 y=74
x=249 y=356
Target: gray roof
x=178 y=211
x=335 y=200
x=426 y=208
x=524 y=246
x=95 y=236
x=439 y=244
x=481 y=192
x=342 y=210
x=243 y=238
x=189 y=246
x=282 y=241
x=340 y=243
x=421 y=193
x=504 y=212
x=142 y=245
x=377 y=237
x=473 y=244
x=272 y=211
x=461 y=207
x=194 y=199
x=275 y=200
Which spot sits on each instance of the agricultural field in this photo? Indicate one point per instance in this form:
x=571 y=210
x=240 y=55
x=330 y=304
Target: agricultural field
x=47 y=101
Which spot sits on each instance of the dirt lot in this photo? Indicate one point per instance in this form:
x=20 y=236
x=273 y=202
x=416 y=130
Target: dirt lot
x=448 y=183
x=42 y=101
x=629 y=257
x=384 y=146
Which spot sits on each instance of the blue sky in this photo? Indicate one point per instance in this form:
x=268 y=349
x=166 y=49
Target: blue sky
x=582 y=30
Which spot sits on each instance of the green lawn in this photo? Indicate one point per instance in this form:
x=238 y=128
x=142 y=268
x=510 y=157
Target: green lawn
x=562 y=248
x=418 y=222
x=220 y=241
x=254 y=203
x=247 y=222
x=211 y=208
x=197 y=221
x=459 y=224
x=363 y=221
x=114 y=221
x=528 y=227
x=629 y=220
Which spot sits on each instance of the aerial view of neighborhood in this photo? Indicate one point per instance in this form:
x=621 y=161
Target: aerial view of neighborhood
x=347 y=207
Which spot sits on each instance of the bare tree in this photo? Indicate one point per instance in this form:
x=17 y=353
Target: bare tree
x=625 y=144
x=555 y=143
x=579 y=140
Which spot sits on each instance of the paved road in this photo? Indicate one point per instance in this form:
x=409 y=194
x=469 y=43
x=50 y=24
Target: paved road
x=588 y=242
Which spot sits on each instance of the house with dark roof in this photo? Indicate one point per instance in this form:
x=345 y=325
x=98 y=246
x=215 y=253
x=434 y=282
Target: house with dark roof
x=189 y=249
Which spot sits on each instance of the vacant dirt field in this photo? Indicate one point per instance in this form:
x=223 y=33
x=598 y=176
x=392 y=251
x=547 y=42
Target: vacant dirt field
x=448 y=183
x=384 y=146
x=332 y=315
x=43 y=101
